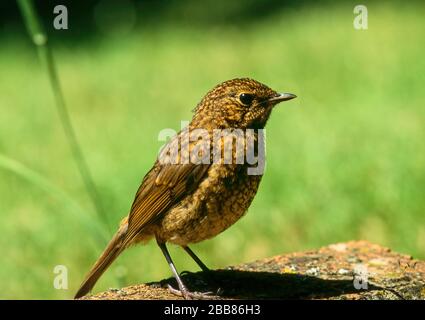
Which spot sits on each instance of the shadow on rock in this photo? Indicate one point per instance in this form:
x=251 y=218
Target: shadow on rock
x=264 y=285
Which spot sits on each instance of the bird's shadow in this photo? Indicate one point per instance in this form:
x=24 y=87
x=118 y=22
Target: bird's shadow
x=264 y=285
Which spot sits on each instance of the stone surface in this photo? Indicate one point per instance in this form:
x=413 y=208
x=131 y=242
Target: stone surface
x=352 y=270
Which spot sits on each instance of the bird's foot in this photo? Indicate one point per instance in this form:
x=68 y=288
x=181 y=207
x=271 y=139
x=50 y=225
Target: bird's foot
x=188 y=295
x=207 y=276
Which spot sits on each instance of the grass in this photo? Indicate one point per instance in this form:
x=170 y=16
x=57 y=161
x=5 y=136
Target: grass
x=345 y=160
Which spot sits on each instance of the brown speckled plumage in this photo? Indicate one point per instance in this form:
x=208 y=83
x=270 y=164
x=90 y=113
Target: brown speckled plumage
x=219 y=201
x=189 y=202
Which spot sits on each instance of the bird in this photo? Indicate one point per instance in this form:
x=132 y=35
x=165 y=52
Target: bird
x=190 y=194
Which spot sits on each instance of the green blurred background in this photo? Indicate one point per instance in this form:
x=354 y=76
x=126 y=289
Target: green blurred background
x=345 y=160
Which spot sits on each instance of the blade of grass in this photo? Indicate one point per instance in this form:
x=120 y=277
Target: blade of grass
x=69 y=204
x=39 y=38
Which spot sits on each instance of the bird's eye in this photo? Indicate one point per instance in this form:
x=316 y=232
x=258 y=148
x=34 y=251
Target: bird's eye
x=246 y=98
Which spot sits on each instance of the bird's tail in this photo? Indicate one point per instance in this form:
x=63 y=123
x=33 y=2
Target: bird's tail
x=112 y=251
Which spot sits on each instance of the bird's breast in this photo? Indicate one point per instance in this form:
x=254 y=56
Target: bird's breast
x=220 y=200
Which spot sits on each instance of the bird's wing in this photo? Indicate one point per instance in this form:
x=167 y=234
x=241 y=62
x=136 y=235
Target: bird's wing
x=163 y=186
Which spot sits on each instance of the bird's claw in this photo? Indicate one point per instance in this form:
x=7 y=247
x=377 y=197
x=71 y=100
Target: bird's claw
x=188 y=295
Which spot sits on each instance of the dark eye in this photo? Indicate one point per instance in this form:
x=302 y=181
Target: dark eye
x=246 y=98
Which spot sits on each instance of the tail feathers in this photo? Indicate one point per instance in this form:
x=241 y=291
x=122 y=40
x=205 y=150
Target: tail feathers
x=108 y=256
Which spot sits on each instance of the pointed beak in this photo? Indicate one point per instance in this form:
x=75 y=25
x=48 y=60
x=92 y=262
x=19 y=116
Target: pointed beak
x=282 y=97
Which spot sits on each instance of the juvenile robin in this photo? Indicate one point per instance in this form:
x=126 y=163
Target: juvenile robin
x=190 y=194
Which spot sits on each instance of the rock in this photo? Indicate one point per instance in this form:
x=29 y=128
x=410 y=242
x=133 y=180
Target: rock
x=353 y=270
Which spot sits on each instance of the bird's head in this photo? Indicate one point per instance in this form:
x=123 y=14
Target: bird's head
x=239 y=103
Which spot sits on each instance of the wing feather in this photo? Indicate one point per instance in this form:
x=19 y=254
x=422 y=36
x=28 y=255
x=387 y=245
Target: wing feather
x=162 y=188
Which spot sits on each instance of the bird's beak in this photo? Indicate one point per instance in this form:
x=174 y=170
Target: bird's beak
x=282 y=97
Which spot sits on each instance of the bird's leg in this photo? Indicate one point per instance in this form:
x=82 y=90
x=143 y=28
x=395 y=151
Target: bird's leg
x=182 y=288
x=172 y=267
x=195 y=257
x=202 y=266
